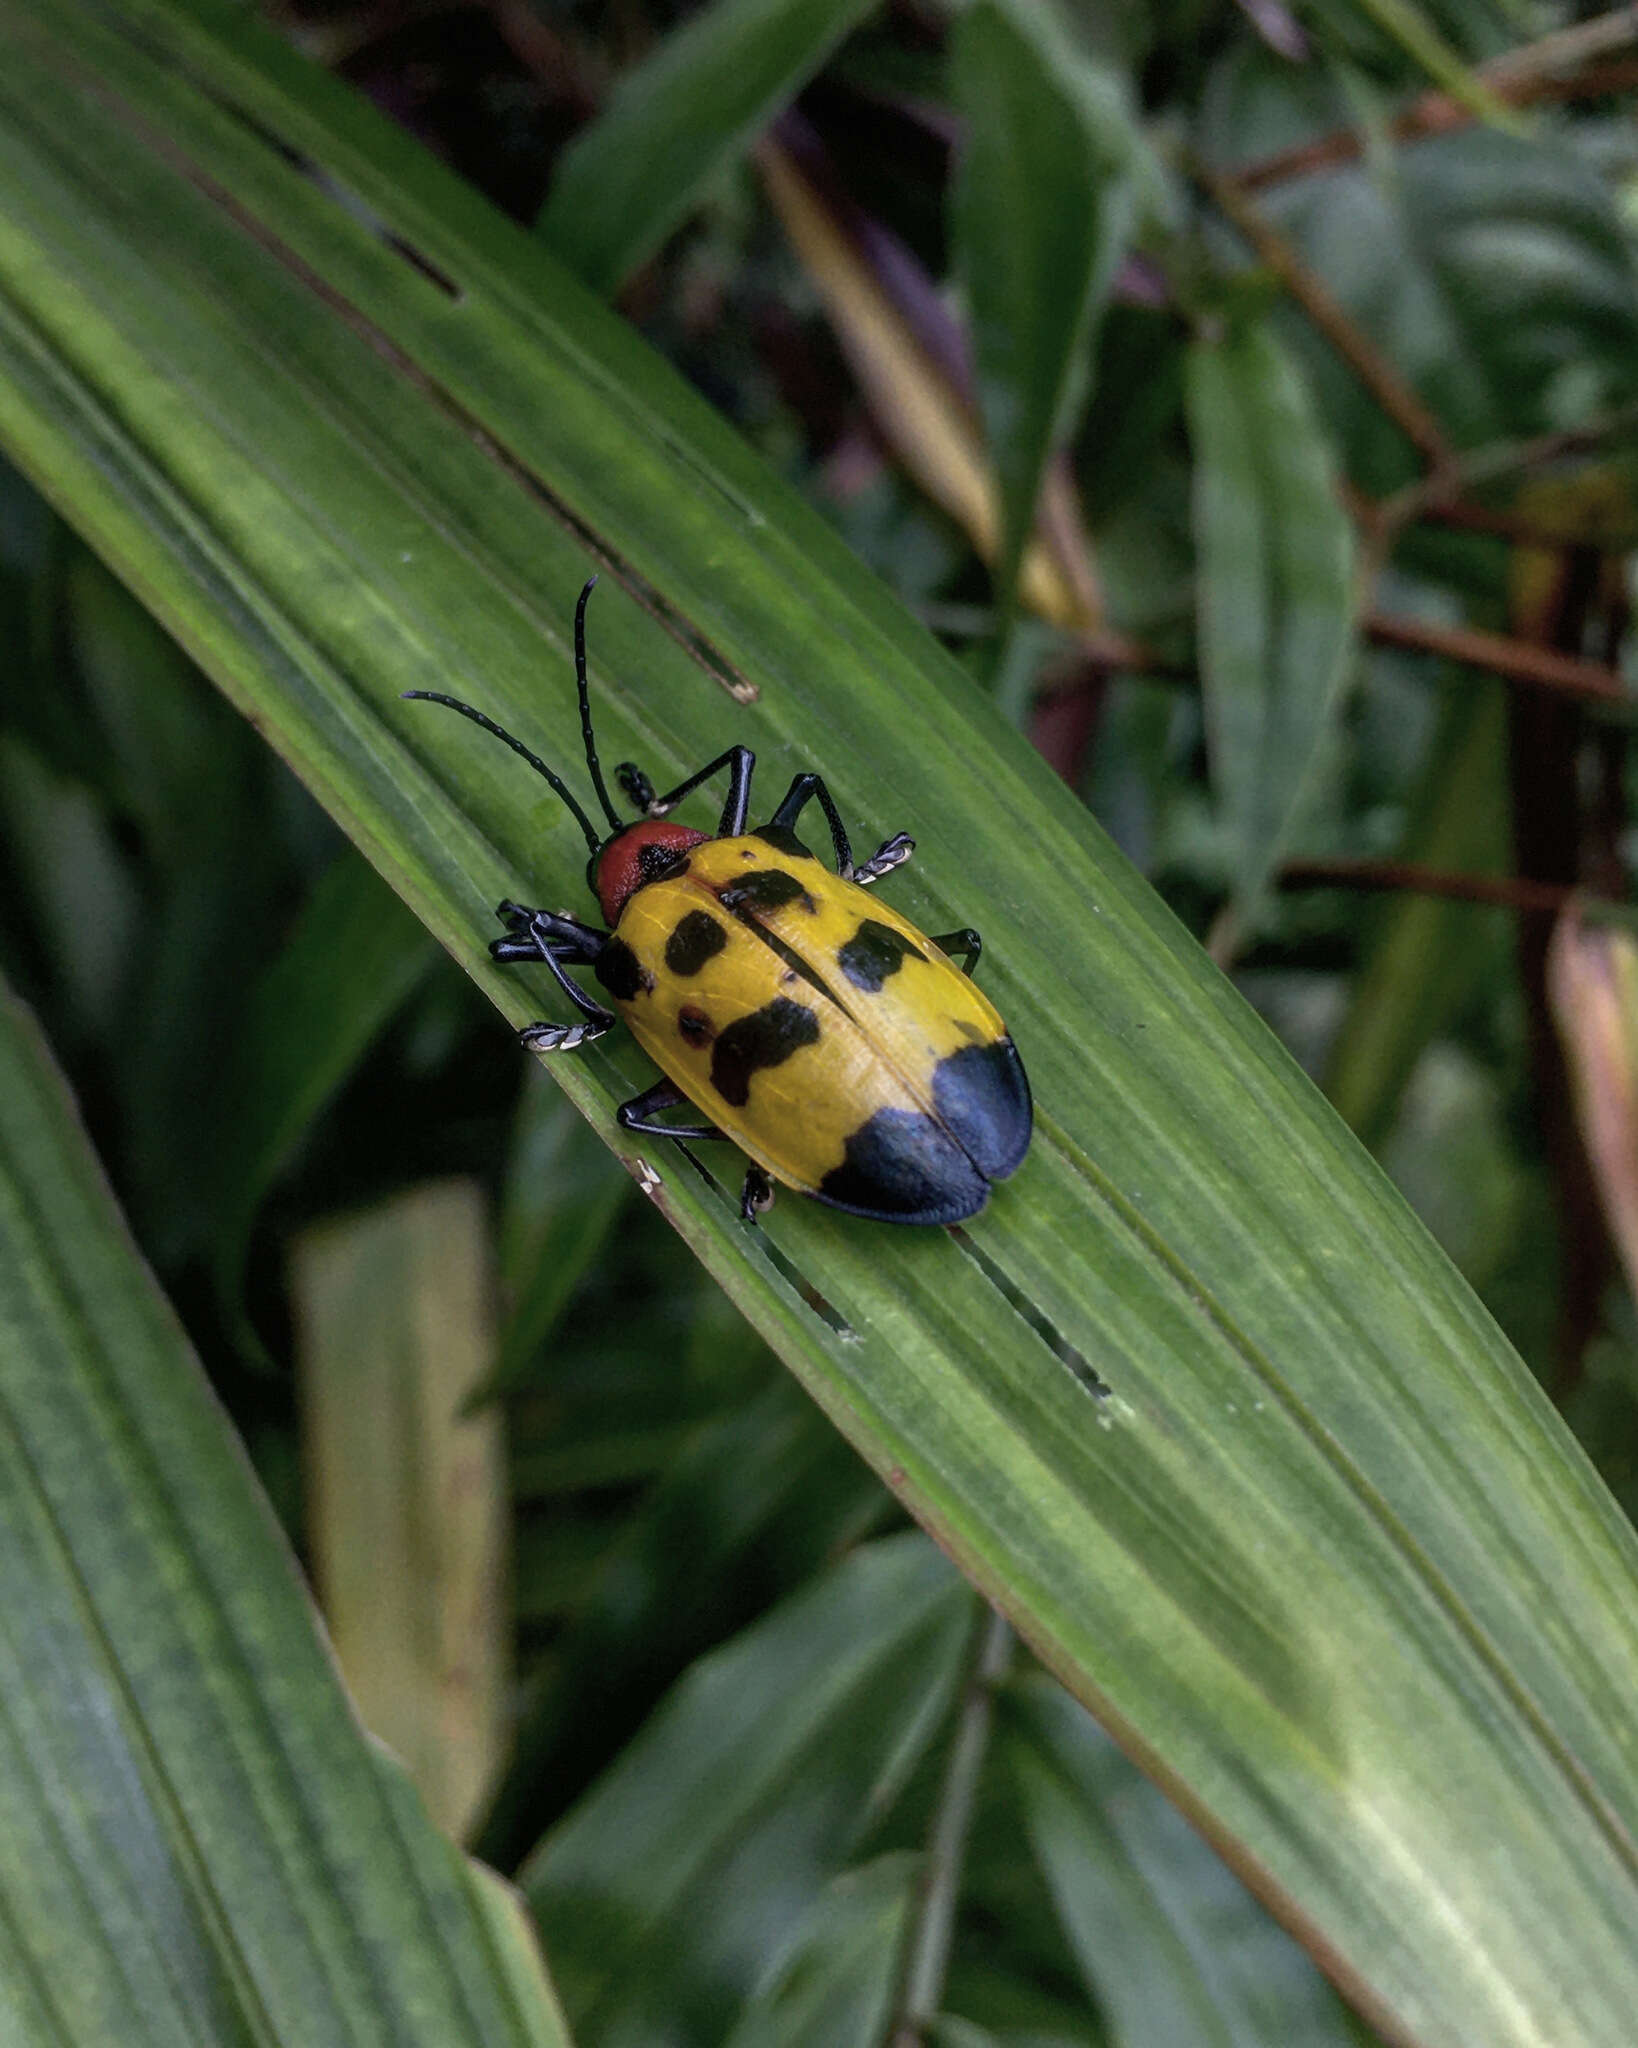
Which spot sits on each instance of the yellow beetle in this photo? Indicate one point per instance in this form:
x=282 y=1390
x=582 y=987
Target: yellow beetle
x=824 y=1034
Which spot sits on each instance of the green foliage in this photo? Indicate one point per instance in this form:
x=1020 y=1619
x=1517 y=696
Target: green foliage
x=1040 y=118
x=1276 y=595
x=170 y=1710
x=1196 y=1402
x=675 y=122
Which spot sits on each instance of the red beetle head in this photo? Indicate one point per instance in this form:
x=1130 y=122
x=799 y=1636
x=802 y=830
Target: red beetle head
x=641 y=853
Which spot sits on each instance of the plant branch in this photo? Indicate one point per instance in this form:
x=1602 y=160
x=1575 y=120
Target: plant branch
x=1520 y=660
x=1357 y=350
x=1560 y=66
x=1499 y=459
x=1510 y=892
x=927 y=1952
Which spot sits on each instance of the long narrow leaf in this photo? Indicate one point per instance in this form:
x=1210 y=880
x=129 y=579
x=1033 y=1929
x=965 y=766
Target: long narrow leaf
x=1276 y=599
x=753 y=1780
x=1040 y=214
x=674 y=123
x=405 y=1492
x=196 y=1843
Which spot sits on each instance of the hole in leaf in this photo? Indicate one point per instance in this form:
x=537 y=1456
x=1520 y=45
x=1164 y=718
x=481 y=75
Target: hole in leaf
x=694 y=643
x=425 y=265
x=787 y=1271
x=1079 y=1365
x=343 y=196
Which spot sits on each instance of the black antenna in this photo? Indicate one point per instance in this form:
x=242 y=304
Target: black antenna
x=598 y=783
x=517 y=746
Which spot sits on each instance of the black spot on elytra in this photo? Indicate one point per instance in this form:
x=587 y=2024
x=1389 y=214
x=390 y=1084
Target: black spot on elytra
x=694 y=939
x=621 y=972
x=782 y=837
x=904 y=1167
x=981 y=1097
x=766 y=1038
x=873 y=953
x=695 y=1027
x=766 y=890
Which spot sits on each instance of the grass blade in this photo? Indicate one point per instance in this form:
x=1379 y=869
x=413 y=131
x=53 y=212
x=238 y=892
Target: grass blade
x=197 y=1844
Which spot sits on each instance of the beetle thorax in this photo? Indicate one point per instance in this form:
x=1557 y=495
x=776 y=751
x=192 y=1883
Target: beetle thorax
x=640 y=854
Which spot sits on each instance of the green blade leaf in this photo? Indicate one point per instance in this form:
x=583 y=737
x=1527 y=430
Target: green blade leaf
x=1039 y=217
x=767 y=1481
x=1426 y=953
x=196 y=1843
x=835 y=1987
x=1322 y=1554
x=676 y=121
x=1172 y=1948
x=1276 y=596
x=655 y=1890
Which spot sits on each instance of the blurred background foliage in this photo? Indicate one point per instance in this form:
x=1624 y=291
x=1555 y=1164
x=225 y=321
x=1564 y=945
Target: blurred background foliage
x=1345 y=317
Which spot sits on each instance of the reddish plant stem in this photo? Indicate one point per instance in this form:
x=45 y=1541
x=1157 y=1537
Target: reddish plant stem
x=1357 y=350
x=1570 y=675
x=1507 y=892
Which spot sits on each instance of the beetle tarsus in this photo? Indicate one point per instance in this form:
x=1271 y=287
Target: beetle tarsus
x=891 y=854
x=756 y=1196
x=563 y=1037
x=545 y=938
x=639 y=791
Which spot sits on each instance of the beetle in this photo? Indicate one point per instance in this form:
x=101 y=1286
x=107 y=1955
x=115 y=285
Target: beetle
x=833 y=1042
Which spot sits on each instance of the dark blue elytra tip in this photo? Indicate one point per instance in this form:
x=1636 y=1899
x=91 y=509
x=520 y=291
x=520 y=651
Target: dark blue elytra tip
x=981 y=1097
x=901 y=1166
x=904 y=1167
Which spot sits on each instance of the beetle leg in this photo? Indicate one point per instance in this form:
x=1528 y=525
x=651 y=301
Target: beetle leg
x=967 y=942
x=802 y=790
x=543 y=937
x=756 y=1197
x=892 y=853
x=739 y=761
x=640 y=1112
x=532 y=934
